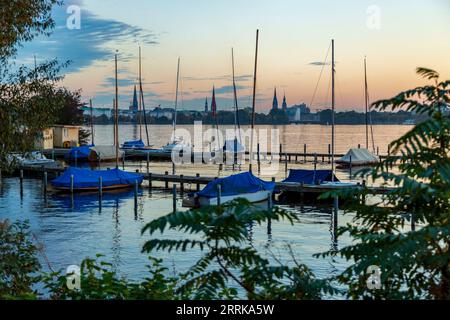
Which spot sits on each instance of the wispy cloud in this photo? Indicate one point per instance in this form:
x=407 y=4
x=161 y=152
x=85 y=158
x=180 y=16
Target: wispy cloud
x=90 y=43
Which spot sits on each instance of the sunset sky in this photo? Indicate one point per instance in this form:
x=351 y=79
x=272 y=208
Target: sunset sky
x=396 y=37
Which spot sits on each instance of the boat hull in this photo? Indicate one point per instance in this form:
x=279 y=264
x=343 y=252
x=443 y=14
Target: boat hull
x=93 y=189
x=251 y=197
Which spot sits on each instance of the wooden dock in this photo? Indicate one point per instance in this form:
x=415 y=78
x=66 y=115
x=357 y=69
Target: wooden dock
x=195 y=182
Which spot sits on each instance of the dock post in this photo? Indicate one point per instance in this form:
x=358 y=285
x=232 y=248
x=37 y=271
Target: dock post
x=285 y=165
x=181 y=184
x=281 y=150
x=378 y=151
x=150 y=181
x=329 y=153
x=335 y=222
x=45 y=182
x=198 y=185
x=269 y=201
x=71 y=183
x=174 y=197
x=359 y=146
x=136 y=188
x=148 y=163
x=174 y=169
x=167 y=182
x=350 y=167
x=100 y=186
x=315 y=161
x=123 y=161
x=304 y=153
x=21 y=183
x=219 y=194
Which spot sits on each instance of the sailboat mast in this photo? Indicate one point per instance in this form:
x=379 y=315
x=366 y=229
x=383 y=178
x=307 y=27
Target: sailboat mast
x=140 y=95
x=116 y=109
x=176 y=99
x=254 y=102
x=92 y=121
x=333 y=104
x=235 y=93
x=366 y=99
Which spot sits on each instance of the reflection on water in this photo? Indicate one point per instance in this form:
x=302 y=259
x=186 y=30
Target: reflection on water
x=75 y=227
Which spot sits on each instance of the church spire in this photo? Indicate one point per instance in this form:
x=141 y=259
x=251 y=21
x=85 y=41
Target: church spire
x=135 y=105
x=206 y=105
x=284 y=106
x=275 y=100
x=213 y=103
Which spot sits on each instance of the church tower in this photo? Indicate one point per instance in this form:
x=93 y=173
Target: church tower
x=213 y=103
x=284 y=106
x=135 y=105
x=275 y=100
x=206 y=105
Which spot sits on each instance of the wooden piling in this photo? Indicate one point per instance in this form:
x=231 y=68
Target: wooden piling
x=219 y=194
x=269 y=201
x=174 y=197
x=181 y=184
x=315 y=161
x=285 y=165
x=304 y=153
x=174 y=169
x=378 y=151
x=123 y=161
x=150 y=181
x=198 y=185
x=100 y=186
x=148 y=163
x=71 y=183
x=45 y=182
x=136 y=189
x=167 y=182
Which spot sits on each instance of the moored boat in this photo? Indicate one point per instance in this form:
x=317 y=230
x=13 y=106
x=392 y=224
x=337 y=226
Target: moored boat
x=243 y=185
x=358 y=157
x=80 y=180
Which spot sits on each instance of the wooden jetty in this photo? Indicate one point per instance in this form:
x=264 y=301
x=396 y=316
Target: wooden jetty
x=194 y=182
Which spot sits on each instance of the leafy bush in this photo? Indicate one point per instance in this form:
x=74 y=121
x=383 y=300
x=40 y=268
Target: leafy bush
x=229 y=258
x=414 y=264
x=19 y=266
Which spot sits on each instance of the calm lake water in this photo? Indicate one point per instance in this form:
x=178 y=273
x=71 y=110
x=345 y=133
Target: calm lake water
x=72 y=230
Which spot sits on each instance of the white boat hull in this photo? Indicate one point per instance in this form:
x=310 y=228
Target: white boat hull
x=251 y=197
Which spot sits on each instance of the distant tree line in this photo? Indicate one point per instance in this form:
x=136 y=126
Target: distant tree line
x=273 y=118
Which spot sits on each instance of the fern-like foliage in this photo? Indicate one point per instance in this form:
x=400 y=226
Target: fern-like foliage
x=414 y=263
x=229 y=260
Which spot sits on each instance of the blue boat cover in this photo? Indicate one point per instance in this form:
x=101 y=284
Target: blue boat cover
x=236 y=184
x=310 y=176
x=79 y=153
x=133 y=144
x=83 y=178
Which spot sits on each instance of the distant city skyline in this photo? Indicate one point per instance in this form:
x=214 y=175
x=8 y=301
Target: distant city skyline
x=294 y=39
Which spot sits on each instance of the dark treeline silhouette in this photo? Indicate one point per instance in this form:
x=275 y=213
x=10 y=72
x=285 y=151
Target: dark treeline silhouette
x=273 y=118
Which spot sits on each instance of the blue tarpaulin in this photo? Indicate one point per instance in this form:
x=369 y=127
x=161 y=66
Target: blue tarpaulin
x=135 y=144
x=310 y=176
x=79 y=153
x=83 y=178
x=236 y=184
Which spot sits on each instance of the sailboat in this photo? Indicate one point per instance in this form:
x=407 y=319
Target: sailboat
x=133 y=145
x=80 y=180
x=243 y=185
x=176 y=142
x=362 y=156
x=234 y=147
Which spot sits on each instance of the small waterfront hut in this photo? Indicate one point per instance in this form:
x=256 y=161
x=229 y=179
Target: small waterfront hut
x=65 y=136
